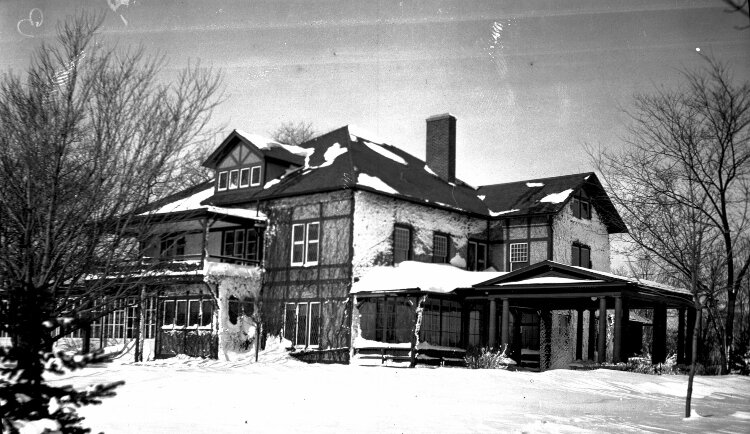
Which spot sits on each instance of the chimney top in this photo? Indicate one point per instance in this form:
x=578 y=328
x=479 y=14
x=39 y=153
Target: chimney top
x=441 y=145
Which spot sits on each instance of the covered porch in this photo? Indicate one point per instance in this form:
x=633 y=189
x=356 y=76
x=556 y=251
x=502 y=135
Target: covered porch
x=579 y=315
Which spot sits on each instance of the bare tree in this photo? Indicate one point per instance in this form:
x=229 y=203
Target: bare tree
x=294 y=133
x=688 y=155
x=88 y=137
x=739 y=6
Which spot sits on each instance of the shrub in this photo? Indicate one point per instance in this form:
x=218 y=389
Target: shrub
x=642 y=365
x=486 y=358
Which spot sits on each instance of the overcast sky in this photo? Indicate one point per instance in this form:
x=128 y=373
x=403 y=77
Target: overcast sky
x=529 y=81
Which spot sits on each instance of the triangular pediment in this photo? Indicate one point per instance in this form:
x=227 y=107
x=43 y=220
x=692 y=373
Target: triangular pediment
x=550 y=272
x=235 y=150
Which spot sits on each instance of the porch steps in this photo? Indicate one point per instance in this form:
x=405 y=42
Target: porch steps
x=529 y=359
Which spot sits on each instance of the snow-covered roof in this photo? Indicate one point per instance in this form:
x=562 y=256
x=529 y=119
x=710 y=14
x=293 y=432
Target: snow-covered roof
x=191 y=201
x=427 y=277
x=644 y=282
x=549 y=280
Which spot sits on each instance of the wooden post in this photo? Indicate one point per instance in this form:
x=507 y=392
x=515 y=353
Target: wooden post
x=617 y=347
x=602 y=342
x=659 y=342
x=592 y=334
x=506 y=323
x=493 y=324
x=689 y=331
x=141 y=330
x=579 y=334
x=86 y=344
x=681 y=336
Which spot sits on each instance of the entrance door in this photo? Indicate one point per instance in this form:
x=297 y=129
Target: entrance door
x=186 y=327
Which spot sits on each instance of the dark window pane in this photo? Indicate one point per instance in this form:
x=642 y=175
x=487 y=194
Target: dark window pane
x=367 y=311
x=234 y=309
x=228 y=243
x=223 y=180
x=481 y=257
x=239 y=243
x=290 y=321
x=181 y=314
x=255 y=176
x=297 y=253
x=234 y=178
x=180 y=247
x=576 y=256
x=168 y=312
x=251 y=251
x=575 y=204
x=207 y=313
x=471 y=255
x=244 y=177
x=194 y=310
x=585 y=209
x=301 y=324
x=314 y=323
x=401 y=245
x=585 y=257
x=248 y=307
x=440 y=249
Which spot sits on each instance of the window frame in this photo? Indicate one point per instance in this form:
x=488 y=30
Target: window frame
x=244 y=181
x=252 y=176
x=306 y=244
x=441 y=259
x=225 y=175
x=172 y=246
x=472 y=259
x=578 y=203
x=577 y=255
x=236 y=174
x=397 y=227
x=311 y=321
x=518 y=251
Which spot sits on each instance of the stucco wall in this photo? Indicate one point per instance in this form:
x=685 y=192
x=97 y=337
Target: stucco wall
x=376 y=215
x=593 y=233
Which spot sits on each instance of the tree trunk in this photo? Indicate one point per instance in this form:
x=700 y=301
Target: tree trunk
x=727 y=349
x=696 y=332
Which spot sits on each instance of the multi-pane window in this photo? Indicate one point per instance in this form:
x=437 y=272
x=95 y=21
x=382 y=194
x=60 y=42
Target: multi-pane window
x=302 y=323
x=581 y=255
x=476 y=256
x=581 y=207
x=386 y=319
x=440 y=248
x=239 y=178
x=241 y=243
x=305 y=243
x=519 y=255
x=187 y=312
x=475 y=326
x=172 y=246
x=401 y=244
x=255 y=176
x=441 y=322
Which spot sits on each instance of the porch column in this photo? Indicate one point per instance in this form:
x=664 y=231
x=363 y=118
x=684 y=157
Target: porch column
x=617 y=347
x=579 y=334
x=659 y=342
x=493 y=324
x=690 y=323
x=592 y=334
x=602 y=342
x=681 y=336
x=506 y=323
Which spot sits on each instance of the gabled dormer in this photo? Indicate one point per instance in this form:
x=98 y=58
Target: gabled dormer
x=246 y=162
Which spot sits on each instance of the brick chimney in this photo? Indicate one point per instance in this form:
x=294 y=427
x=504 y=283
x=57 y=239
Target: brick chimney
x=441 y=145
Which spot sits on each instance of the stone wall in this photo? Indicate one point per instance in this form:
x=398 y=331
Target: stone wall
x=568 y=229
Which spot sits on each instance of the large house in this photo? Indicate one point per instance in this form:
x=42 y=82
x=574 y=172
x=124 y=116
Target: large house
x=354 y=250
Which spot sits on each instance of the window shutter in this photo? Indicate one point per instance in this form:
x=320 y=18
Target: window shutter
x=576 y=256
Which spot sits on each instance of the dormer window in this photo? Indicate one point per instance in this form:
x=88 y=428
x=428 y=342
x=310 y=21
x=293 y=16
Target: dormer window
x=234 y=179
x=223 y=178
x=245 y=177
x=239 y=178
x=255 y=176
x=581 y=206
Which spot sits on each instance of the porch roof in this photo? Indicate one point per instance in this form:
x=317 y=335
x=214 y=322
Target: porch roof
x=412 y=276
x=553 y=280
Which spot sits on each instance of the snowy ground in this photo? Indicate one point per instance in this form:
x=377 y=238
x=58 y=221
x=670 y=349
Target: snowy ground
x=279 y=394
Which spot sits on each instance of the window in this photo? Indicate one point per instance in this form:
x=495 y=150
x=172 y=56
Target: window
x=581 y=255
x=475 y=326
x=441 y=322
x=244 y=177
x=255 y=176
x=401 y=244
x=302 y=323
x=223 y=178
x=187 y=312
x=237 y=308
x=240 y=243
x=581 y=207
x=476 y=256
x=440 y=248
x=305 y=243
x=519 y=255
x=387 y=319
x=234 y=179
x=172 y=246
